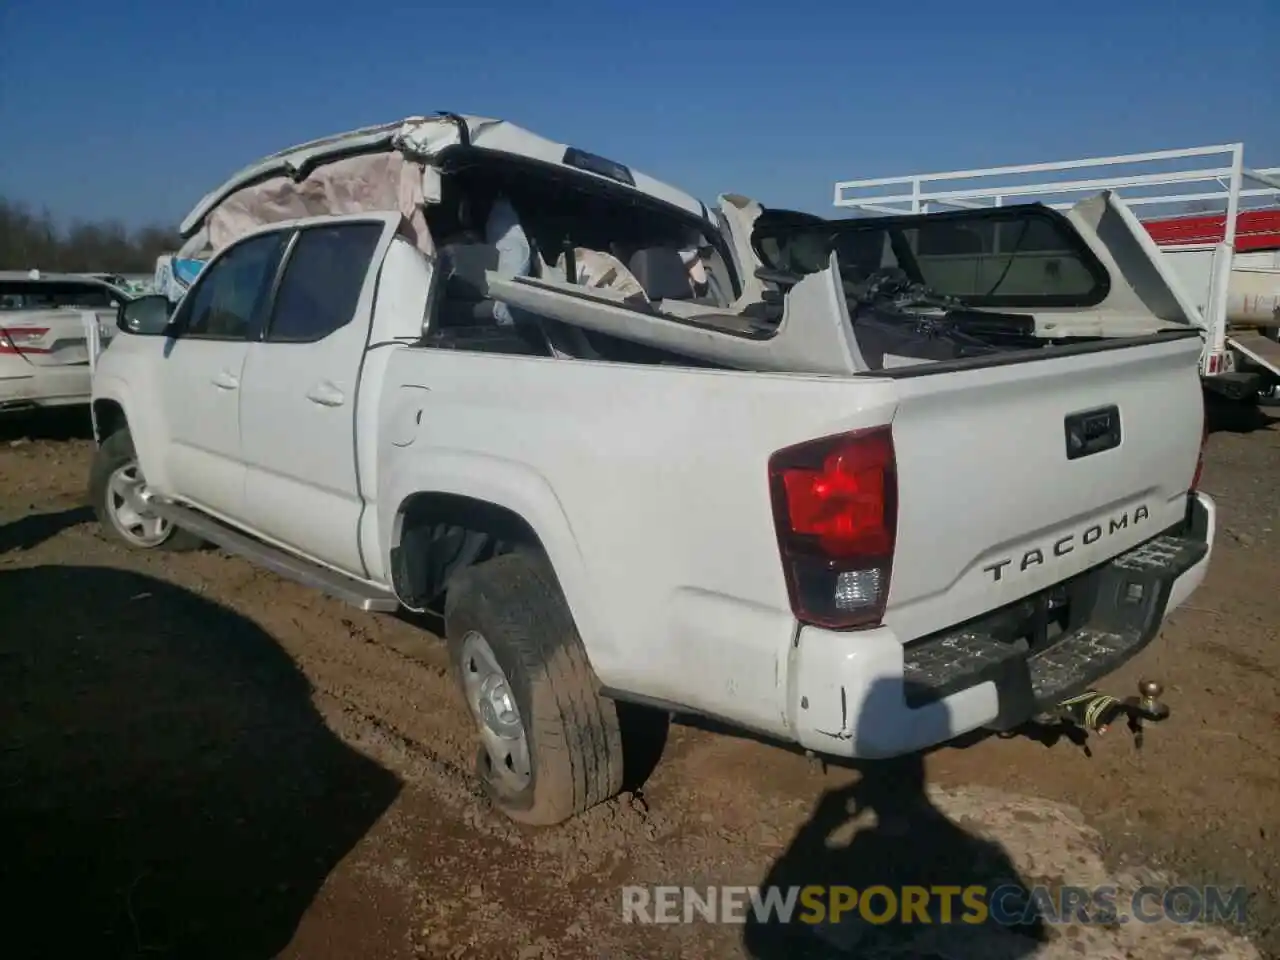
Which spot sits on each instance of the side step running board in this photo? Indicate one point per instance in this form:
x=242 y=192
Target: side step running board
x=337 y=585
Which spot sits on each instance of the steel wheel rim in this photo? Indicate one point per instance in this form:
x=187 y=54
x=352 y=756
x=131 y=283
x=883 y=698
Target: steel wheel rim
x=493 y=705
x=128 y=511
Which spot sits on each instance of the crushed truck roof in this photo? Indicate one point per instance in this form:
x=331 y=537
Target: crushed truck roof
x=423 y=139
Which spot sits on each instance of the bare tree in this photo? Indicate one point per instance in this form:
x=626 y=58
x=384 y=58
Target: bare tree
x=30 y=240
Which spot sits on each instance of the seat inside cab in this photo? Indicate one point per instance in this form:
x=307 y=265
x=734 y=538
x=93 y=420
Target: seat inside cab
x=580 y=229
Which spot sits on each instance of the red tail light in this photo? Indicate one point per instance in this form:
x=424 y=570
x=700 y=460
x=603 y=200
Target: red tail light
x=19 y=340
x=835 y=509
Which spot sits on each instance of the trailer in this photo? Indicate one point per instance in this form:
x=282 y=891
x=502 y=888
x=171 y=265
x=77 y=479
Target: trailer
x=1213 y=219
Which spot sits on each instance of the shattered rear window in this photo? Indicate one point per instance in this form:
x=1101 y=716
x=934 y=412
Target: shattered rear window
x=45 y=295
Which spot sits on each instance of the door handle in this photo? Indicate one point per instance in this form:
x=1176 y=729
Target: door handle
x=225 y=381
x=326 y=394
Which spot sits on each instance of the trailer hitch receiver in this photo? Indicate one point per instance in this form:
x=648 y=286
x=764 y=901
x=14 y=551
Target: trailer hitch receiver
x=1096 y=712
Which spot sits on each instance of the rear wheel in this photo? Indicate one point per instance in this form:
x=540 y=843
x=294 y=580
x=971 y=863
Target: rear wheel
x=550 y=745
x=115 y=492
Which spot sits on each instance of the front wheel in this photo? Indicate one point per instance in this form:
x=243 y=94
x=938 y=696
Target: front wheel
x=550 y=745
x=115 y=488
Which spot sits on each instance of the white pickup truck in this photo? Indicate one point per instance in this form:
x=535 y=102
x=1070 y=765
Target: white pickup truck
x=800 y=497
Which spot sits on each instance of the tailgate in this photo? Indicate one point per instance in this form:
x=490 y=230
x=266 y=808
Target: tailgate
x=1014 y=477
x=53 y=338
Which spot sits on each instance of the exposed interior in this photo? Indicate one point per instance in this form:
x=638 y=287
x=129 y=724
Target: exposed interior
x=615 y=276
x=609 y=281
x=583 y=232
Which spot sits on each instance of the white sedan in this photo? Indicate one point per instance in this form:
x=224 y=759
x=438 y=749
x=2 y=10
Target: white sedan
x=46 y=322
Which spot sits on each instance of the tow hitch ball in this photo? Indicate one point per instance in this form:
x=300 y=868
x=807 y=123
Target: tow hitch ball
x=1096 y=711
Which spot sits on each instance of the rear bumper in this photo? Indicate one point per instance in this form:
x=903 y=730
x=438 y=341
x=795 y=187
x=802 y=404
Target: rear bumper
x=24 y=385
x=868 y=695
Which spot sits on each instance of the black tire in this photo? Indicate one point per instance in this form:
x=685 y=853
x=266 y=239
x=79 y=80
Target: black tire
x=115 y=452
x=573 y=736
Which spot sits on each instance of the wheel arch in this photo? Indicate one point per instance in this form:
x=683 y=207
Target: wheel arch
x=480 y=519
x=118 y=404
x=459 y=530
x=108 y=417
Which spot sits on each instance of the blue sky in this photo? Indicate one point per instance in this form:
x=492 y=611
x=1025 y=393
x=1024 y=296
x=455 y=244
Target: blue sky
x=134 y=110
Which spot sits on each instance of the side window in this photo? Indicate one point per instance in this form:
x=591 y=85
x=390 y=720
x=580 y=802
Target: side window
x=231 y=294
x=322 y=281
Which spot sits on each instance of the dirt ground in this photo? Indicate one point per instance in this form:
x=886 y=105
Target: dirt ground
x=199 y=759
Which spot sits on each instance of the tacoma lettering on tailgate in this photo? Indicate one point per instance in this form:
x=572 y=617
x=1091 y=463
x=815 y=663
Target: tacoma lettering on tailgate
x=1064 y=545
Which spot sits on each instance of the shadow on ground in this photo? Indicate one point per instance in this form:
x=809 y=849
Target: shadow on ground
x=169 y=790
x=884 y=831
x=35 y=528
x=1234 y=416
x=56 y=423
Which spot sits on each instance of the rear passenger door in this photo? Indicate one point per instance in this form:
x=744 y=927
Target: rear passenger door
x=301 y=381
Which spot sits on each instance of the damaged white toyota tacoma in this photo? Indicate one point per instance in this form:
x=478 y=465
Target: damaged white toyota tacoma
x=862 y=486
